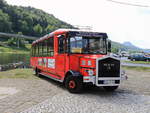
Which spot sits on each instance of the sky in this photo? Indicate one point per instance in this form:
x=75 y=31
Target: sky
x=121 y=22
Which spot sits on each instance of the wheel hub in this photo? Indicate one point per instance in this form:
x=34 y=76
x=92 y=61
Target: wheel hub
x=72 y=84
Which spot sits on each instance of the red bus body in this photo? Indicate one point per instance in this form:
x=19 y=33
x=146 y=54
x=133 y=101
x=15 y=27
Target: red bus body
x=59 y=65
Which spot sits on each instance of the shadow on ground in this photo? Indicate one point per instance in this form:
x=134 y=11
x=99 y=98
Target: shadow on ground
x=89 y=89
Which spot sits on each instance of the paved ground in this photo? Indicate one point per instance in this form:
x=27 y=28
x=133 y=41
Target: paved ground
x=134 y=64
x=47 y=96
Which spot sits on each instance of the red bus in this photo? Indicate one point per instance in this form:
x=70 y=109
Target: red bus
x=75 y=58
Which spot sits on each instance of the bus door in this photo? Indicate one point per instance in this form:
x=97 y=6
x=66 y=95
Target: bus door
x=61 y=56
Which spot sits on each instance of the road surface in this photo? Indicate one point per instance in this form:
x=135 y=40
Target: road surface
x=135 y=65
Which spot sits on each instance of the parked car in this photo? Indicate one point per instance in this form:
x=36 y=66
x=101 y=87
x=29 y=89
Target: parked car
x=147 y=57
x=139 y=57
x=129 y=57
x=124 y=54
x=114 y=55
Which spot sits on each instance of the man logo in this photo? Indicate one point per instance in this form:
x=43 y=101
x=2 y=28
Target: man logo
x=109 y=66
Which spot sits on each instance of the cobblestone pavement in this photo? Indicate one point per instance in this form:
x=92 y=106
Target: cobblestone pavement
x=47 y=96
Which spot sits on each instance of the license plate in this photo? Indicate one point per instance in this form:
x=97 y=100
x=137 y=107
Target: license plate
x=109 y=81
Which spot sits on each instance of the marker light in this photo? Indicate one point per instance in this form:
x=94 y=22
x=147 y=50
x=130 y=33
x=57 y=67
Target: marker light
x=89 y=63
x=83 y=62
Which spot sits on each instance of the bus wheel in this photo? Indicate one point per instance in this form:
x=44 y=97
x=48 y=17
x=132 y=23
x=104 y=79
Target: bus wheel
x=110 y=88
x=74 y=84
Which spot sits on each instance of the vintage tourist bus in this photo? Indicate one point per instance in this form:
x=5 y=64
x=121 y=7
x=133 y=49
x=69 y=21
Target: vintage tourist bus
x=75 y=58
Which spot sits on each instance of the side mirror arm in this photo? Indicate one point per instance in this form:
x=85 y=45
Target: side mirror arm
x=109 y=46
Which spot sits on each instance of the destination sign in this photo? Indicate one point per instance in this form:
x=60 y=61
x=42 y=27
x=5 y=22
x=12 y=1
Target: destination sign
x=87 y=34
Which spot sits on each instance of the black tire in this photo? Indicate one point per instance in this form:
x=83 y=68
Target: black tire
x=74 y=84
x=110 y=88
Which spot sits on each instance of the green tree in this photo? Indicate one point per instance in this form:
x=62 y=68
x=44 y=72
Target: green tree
x=114 y=50
x=28 y=20
x=17 y=42
x=38 y=30
x=11 y=42
x=20 y=41
x=49 y=28
x=2 y=3
x=5 y=24
x=23 y=26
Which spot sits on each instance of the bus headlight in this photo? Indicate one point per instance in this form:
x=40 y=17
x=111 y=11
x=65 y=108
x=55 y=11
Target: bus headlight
x=90 y=72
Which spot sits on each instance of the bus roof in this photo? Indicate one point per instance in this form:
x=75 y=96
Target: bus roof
x=72 y=31
x=77 y=30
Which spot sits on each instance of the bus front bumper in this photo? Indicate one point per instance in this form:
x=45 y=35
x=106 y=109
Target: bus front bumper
x=104 y=81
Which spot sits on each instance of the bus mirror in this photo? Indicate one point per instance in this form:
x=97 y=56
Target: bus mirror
x=109 y=46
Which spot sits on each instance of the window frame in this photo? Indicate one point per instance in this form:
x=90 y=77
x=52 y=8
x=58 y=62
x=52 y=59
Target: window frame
x=50 y=46
x=69 y=46
x=63 y=44
x=44 y=48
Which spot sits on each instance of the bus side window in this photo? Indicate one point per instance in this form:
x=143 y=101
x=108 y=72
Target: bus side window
x=32 y=54
x=37 y=50
x=40 y=49
x=33 y=51
x=44 y=48
x=50 y=46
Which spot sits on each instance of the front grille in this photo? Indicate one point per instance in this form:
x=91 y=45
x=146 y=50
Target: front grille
x=109 y=67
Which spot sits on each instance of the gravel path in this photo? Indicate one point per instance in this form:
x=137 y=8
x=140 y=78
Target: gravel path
x=46 y=96
x=93 y=103
x=30 y=92
x=7 y=91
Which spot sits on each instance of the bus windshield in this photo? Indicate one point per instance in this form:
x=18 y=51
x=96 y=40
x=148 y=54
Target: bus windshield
x=88 y=45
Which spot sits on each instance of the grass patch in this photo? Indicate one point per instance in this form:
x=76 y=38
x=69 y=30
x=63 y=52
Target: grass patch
x=15 y=49
x=18 y=73
x=138 y=62
x=136 y=68
x=28 y=73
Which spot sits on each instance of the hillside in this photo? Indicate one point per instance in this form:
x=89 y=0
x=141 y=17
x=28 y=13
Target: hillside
x=127 y=46
x=35 y=22
x=28 y=20
x=131 y=46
